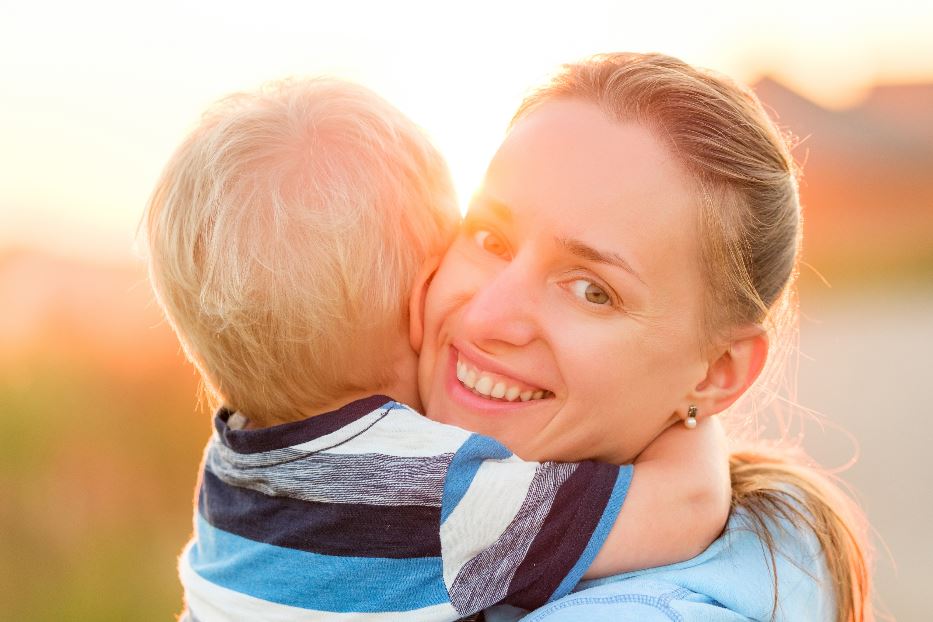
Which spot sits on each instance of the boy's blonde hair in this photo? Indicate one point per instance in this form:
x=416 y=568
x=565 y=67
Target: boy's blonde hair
x=284 y=237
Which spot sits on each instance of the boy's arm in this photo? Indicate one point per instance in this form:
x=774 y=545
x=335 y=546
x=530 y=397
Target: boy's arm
x=677 y=504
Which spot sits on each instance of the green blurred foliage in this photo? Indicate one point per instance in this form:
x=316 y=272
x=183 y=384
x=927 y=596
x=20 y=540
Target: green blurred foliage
x=97 y=477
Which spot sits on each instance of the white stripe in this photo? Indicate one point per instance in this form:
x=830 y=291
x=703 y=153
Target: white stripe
x=341 y=435
x=405 y=433
x=210 y=602
x=486 y=578
x=490 y=504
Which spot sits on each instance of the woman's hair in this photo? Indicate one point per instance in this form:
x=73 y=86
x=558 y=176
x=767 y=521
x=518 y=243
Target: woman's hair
x=749 y=232
x=284 y=237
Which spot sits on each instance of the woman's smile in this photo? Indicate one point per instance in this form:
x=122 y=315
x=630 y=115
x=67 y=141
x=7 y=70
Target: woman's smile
x=495 y=386
x=491 y=394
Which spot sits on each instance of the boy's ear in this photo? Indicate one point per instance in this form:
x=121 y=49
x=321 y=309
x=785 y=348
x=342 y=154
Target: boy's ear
x=419 y=292
x=733 y=371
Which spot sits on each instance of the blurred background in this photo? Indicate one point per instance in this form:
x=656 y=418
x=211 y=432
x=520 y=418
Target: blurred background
x=101 y=427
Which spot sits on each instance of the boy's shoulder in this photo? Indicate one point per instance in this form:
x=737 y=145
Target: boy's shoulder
x=411 y=433
x=376 y=424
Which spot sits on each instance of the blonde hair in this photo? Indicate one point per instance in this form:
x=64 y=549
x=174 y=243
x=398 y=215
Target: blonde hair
x=284 y=237
x=750 y=231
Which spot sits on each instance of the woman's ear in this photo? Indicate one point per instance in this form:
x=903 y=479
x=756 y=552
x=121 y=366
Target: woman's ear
x=733 y=371
x=419 y=292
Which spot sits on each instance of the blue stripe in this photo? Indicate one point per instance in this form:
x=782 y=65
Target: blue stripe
x=313 y=581
x=466 y=462
x=610 y=515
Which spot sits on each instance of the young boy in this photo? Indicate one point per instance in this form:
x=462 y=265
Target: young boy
x=285 y=237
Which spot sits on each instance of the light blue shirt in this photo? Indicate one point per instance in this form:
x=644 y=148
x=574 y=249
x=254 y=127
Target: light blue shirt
x=732 y=580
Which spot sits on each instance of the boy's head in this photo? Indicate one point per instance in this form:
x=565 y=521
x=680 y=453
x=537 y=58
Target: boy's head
x=284 y=237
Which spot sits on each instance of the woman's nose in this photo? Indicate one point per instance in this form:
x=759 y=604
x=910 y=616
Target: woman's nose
x=503 y=307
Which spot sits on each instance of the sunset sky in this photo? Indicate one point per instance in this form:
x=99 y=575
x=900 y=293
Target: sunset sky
x=95 y=96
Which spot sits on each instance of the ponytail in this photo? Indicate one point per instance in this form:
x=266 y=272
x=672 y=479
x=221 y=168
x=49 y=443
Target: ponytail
x=772 y=487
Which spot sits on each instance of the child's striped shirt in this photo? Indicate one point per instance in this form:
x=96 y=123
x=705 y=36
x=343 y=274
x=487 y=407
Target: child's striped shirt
x=373 y=512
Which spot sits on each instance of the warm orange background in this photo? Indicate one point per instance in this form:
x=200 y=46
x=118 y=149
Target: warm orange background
x=101 y=432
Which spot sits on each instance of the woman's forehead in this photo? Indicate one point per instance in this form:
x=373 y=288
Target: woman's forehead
x=581 y=139
x=571 y=154
x=569 y=172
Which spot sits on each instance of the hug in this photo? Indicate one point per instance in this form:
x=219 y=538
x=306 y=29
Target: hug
x=512 y=416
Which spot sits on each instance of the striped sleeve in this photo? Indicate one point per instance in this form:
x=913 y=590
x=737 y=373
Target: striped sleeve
x=519 y=532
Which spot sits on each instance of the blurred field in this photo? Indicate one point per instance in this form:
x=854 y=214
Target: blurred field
x=102 y=433
x=100 y=445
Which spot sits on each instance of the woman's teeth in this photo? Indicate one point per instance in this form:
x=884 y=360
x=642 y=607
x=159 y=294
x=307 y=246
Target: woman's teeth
x=495 y=387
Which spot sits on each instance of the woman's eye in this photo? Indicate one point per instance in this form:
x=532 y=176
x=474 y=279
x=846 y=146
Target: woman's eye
x=590 y=292
x=490 y=242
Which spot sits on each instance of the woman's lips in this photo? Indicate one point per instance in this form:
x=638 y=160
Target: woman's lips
x=479 y=388
x=494 y=386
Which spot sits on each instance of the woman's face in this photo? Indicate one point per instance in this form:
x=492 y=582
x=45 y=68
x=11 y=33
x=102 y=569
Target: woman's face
x=564 y=319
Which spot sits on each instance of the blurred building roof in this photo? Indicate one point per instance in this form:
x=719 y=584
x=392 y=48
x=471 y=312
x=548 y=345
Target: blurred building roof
x=867 y=186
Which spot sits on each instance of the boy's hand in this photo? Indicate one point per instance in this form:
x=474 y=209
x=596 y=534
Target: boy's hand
x=677 y=504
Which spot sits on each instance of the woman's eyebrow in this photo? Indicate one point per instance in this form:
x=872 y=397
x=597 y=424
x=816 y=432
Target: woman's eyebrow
x=587 y=252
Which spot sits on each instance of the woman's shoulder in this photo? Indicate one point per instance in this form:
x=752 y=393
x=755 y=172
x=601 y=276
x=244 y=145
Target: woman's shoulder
x=734 y=579
x=642 y=600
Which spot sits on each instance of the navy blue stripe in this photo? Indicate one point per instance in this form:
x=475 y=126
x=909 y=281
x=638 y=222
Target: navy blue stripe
x=295 y=432
x=578 y=506
x=606 y=523
x=344 y=529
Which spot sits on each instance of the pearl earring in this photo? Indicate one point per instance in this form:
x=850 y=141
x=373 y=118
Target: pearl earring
x=691 y=421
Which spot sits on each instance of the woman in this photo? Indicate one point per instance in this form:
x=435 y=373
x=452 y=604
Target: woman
x=629 y=258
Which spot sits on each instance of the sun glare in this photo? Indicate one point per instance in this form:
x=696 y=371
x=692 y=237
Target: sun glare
x=93 y=107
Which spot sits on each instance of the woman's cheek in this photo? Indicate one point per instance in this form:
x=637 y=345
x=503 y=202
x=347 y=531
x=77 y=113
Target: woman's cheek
x=614 y=396
x=449 y=290
x=457 y=277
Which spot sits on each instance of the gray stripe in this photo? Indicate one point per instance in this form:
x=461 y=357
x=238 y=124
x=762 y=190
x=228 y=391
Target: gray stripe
x=485 y=579
x=372 y=479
